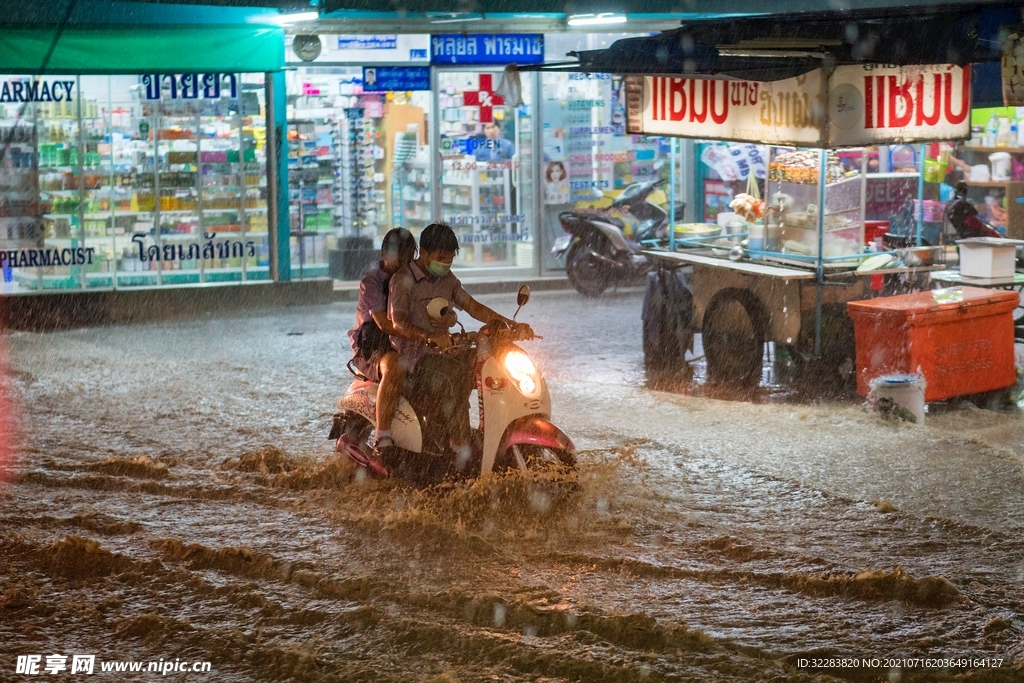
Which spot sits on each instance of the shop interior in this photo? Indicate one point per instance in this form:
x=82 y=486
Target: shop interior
x=156 y=179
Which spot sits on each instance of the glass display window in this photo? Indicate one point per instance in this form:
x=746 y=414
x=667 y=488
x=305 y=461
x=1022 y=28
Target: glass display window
x=137 y=181
x=359 y=165
x=487 y=169
x=589 y=159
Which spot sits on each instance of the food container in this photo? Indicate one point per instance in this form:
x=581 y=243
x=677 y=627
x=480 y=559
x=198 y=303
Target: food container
x=988 y=257
x=921 y=256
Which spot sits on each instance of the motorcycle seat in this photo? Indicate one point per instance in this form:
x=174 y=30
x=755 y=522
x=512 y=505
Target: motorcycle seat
x=588 y=217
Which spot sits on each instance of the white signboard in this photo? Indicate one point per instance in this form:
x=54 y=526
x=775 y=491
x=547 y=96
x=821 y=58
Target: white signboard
x=856 y=105
x=870 y=105
x=371 y=49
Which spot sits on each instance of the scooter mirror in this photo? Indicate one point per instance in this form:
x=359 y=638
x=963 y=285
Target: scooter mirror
x=522 y=298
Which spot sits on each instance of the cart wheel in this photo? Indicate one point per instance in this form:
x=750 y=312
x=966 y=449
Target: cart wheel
x=733 y=334
x=589 y=275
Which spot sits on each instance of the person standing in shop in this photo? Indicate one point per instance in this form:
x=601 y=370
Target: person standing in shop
x=494 y=147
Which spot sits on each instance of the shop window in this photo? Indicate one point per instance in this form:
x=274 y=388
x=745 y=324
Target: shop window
x=589 y=159
x=487 y=179
x=358 y=164
x=136 y=181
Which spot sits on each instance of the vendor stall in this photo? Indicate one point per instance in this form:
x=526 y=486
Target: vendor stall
x=787 y=271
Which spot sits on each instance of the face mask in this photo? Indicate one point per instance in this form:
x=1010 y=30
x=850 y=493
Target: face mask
x=438 y=269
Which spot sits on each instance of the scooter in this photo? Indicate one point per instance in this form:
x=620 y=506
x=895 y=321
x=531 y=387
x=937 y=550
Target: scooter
x=962 y=217
x=515 y=430
x=601 y=250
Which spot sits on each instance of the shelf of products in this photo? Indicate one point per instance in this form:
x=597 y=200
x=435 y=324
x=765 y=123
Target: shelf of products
x=169 y=190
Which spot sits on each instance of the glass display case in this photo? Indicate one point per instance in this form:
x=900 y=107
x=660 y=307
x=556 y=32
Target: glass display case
x=140 y=181
x=797 y=222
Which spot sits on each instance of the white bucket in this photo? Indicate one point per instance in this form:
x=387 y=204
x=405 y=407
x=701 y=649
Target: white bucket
x=905 y=391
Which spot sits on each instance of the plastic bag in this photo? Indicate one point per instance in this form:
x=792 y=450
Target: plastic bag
x=510 y=88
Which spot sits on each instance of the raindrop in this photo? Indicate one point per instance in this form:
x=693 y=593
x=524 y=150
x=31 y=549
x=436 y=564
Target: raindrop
x=571 y=618
x=852 y=32
x=462 y=457
x=499 y=614
x=895 y=675
x=602 y=506
x=361 y=475
x=399 y=502
x=529 y=631
x=540 y=501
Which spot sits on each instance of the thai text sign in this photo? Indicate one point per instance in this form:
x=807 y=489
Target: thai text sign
x=856 y=105
x=487 y=48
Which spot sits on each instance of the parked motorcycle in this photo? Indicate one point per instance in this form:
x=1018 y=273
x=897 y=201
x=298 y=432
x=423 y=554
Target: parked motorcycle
x=601 y=250
x=515 y=429
x=962 y=217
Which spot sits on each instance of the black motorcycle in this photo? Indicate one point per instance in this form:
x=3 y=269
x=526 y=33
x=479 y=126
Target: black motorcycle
x=599 y=252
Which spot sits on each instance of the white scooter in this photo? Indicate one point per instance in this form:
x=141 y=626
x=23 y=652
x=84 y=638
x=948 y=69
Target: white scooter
x=515 y=430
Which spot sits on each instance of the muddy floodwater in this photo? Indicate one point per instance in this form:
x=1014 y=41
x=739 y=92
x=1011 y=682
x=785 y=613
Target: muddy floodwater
x=172 y=495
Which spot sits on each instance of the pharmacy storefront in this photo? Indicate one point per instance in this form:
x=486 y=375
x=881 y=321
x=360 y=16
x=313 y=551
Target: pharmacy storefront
x=403 y=130
x=155 y=177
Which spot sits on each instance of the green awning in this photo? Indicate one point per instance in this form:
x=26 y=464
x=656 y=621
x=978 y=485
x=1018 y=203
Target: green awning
x=148 y=49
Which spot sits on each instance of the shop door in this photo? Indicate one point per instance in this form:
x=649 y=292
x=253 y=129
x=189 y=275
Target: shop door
x=486 y=191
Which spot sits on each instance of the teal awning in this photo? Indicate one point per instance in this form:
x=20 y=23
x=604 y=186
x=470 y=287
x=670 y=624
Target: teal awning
x=142 y=49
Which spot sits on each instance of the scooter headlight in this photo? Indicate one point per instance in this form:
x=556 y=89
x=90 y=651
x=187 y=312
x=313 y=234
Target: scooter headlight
x=523 y=372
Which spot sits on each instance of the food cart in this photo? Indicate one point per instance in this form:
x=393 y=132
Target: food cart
x=787 y=275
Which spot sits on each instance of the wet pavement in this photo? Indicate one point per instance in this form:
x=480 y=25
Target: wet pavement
x=172 y=494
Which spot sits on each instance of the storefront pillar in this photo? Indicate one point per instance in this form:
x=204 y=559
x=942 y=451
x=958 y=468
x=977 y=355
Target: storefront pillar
x=278 y=224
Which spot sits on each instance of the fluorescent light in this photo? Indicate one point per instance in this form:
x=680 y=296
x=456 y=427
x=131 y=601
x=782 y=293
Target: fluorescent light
x=296 y=17
x=603 y=19
x=454 y=17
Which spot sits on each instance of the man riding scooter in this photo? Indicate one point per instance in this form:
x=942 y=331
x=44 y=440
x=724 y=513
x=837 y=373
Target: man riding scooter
x=448 y=378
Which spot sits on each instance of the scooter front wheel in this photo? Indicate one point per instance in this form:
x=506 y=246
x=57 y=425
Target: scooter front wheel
x=530 y=458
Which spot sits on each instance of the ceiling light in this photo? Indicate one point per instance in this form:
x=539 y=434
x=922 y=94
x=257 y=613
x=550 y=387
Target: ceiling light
x=296 y=17
x=454 y=17
x=603 y=19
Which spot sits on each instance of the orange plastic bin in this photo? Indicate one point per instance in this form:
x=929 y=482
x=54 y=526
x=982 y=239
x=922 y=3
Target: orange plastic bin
x=960 y=339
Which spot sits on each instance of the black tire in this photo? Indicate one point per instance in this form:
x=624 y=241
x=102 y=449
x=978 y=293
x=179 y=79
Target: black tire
x=589 y=275
x=733 y=334
x=667 y=333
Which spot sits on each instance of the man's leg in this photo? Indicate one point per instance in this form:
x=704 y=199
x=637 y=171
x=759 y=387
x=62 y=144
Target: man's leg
x=389 y=392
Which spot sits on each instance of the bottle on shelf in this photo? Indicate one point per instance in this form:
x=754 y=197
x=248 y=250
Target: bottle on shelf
x=991 y=130
x=1003 y=134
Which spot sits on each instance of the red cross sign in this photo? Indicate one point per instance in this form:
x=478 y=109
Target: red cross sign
x=484 y=98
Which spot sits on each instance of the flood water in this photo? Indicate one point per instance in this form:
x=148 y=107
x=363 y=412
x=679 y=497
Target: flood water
x=172 y=495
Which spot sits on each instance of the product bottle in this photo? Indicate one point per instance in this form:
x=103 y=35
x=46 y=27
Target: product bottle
x=991 y=130
x=1003 y=135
